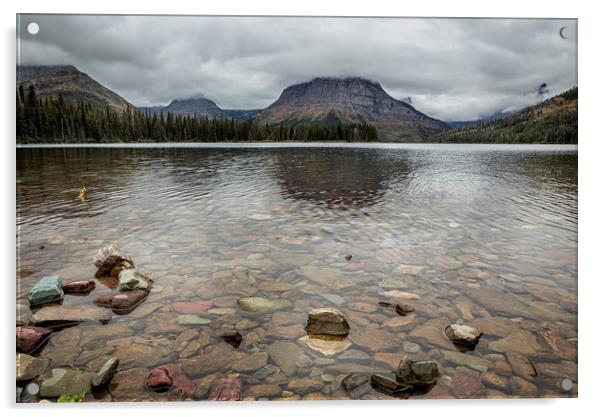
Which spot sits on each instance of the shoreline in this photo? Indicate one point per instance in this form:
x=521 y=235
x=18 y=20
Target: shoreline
x=367 y=145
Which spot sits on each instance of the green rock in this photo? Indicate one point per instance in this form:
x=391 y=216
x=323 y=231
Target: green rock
x=130 y=279
x=60 y=381
x=258 y=304
x=411 y=347
x=334 y=298
x=47 y=290
x=191 y=320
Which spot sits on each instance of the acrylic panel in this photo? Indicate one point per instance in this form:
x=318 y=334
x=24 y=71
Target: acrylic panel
x=300 y=208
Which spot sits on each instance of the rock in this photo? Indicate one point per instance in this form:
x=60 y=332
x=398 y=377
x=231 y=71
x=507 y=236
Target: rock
x=275 y=286
x=264 y=390
x=58 y=315
x=410 y=269
x=233 y=338
x=266 y=371
x=348 y=257
x=159 y=379
x=225 y=389
x=327 y=321
x=496 y=326
x=47 y=290
x=522 y=388
x=463 y=335
x=179 y=378
x=191 y=320
x=215 y=358
x=446 y=262
x=392 y=283
x=288 y=356
x=363 y=307
x=397 y=322
x=109 y=257
x=334 y=298
x=250 y=363
x=466 y=359
x=59 y=381
x=491 y=379
x=29 y=368
x=522 y=341
x=105 y=373
x=356 y=385
x=327 y=346
x=30 y=338
x=327 y=277
x=411 y=347
x=375 y=340
x=126 y=301
x=304 y=385
x=388 y=384
x=417 y=373
x=431 y=334
x=353 y=355
x=79 y=287
x=183 y=307
x=403 y=309
x=467 y=384
x=402 y=295
x=221 y=311
x=130 y=279
x=521 y=365
x=258 y=304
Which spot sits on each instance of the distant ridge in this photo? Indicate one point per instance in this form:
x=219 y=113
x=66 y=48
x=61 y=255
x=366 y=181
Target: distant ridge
x=69 y=82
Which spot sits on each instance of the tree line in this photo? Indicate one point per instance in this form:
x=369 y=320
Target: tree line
x=56 y=120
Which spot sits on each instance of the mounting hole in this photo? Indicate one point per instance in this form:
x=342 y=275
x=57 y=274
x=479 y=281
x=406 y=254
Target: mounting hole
x=32 y=388
x=566 y=384
x=33 y=28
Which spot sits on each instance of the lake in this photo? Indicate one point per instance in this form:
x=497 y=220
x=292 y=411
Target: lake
x=484 y=235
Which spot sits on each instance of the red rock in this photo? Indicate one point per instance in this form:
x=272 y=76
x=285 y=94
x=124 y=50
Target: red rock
x=79 y=287
x=105 y=300
x=467 y=384
x=125 y=302
x=185 y=307
x=180 y=380
x=159 y=379
x=29 y=338
x=521 y=365
x=225 y=389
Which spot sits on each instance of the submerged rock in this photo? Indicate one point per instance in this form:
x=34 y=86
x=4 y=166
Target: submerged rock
x=403 y=309
x=79 y=287
x=130 y=279
x=334 y=298
x=225 y=389
x=105 y=373
x=521 y=365
x=126 y=301
x=47 y=290
x=185 y=307
x=109 y=257
x=462 y=334
x=327 y=346
x=191 y=320
x=288 y=356
x=467 y=384
x=417 y=373
x=61 y=381
x=388 y=384
x=233 y=338
x=30 y=338
x=356 y=384
x=159 y=379
x=258 y=304
x=58 y=315
x=327 y=321
x=29 y=368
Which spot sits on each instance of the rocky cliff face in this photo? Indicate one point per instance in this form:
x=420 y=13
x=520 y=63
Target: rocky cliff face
x=351 y=100
x=68 y=81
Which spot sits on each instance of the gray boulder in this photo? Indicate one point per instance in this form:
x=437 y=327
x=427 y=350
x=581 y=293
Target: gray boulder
x=47 y=290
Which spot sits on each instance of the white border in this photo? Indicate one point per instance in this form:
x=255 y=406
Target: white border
x=590 y=153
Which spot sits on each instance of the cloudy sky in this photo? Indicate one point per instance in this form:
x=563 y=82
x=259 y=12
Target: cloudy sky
x=453 y=69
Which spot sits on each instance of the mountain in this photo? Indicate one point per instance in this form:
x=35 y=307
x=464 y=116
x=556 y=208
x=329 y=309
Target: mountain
x=71 y=83
x=552 y=121
x=495 y=116
x=351 y=100
x=200 y=107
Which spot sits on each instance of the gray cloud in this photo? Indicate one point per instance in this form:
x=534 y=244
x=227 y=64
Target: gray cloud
x=454 y=69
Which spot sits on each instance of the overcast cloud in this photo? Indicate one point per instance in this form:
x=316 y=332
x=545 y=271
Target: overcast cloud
x=453 y=69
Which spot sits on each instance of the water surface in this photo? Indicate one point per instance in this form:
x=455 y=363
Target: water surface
x=477 y=234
